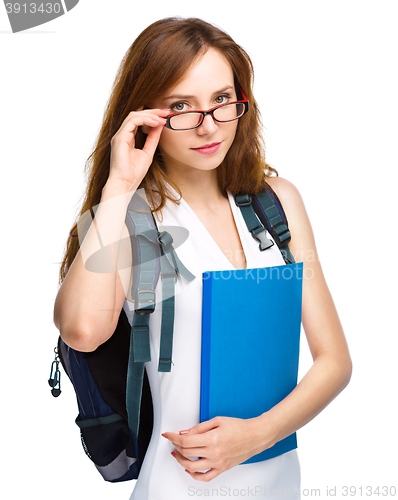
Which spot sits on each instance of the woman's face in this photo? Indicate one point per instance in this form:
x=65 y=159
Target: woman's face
x=208 y=83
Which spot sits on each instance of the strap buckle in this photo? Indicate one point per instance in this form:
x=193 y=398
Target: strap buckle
x=263 y=240
x=146 y=309
x=243 y=200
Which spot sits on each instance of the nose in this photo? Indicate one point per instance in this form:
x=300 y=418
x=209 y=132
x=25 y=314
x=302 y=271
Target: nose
x=208 y=126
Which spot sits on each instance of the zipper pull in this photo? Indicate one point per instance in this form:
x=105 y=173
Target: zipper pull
x=55 y=376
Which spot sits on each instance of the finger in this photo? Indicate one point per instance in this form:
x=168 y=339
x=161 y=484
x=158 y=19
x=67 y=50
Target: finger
x=148 y=112
x=189 y=441
x=204 y=476
x=141 y=117
x=203 y=427
x=196 y=435
x=192 y=452
x=192 y=465
x=129 y=128
x=152 y=140
x=159 y=111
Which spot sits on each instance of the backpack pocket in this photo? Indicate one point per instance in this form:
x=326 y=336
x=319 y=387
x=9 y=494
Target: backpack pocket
x=108 y=442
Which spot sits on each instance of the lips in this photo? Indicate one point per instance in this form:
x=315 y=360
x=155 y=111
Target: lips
x=208 y=149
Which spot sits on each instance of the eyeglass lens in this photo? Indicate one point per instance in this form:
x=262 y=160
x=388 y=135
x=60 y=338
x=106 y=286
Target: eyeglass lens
x=225 y=113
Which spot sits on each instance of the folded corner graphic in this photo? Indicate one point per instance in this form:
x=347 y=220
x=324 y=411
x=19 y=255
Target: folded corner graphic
x=25 y=15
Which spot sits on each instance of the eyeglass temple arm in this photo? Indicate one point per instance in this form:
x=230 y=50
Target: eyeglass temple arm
x=244 y=98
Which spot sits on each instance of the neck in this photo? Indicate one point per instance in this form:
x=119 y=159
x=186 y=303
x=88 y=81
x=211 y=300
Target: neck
x=198 y=187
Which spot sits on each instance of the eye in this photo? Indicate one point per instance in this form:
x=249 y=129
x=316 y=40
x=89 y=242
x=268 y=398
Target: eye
x=222 y=99
x=178 y=107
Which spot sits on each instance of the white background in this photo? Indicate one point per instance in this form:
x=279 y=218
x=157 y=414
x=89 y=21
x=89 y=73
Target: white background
x=326 y=83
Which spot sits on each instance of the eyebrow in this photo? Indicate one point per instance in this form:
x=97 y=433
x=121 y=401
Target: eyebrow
x=183 y=96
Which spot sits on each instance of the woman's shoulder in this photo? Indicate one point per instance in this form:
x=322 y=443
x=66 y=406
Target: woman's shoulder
x=286 y=191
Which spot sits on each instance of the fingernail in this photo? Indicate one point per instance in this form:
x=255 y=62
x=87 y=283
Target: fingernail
x=186 y=470
x=172 y=453
x=184 y=432
x=165 y=435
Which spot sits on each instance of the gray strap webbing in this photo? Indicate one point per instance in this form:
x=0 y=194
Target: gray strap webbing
x=149 y=240
x=279 y=228
x=170 y=265
x=135 y=377
x=144 y=300
x=253 y=223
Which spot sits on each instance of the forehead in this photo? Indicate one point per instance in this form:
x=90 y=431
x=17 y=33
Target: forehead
x=210 y=72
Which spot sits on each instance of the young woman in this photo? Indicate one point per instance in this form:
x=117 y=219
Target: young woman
x=190 y=176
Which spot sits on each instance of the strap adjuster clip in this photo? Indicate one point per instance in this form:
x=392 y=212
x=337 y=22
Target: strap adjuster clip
x=283 y=236
x=243 y=200
x=145 y=309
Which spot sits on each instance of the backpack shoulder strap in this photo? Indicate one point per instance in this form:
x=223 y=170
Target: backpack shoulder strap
x=145 y=273
x=265 y=211
x=153 y=253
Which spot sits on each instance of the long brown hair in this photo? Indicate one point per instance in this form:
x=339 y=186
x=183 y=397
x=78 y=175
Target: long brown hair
x=157 y=60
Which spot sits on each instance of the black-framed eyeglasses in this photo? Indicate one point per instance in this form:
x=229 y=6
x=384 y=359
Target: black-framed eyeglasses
x=187 y=120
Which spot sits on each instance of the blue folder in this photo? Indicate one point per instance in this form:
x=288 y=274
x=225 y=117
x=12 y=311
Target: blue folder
x=251 y=321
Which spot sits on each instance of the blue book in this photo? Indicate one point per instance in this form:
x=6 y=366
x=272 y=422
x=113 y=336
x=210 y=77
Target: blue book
x=251 y=320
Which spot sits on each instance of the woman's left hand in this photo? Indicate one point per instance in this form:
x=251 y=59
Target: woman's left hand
x=221 y=442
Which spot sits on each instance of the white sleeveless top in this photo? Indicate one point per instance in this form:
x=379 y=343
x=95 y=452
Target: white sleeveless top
x=176 y=394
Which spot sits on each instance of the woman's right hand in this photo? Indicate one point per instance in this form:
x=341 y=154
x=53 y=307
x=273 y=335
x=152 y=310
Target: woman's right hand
x=128 y=164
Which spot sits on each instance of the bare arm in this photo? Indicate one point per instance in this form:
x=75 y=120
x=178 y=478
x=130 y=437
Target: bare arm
x=332 y=367
x=89 y=302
